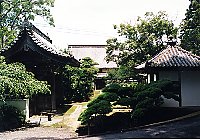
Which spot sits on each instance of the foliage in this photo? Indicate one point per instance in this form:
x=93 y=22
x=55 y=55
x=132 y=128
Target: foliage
x=138 y=43
x=10 y=117
x=14 y=12
x=101 y=107
x=124 y=101
x=111 y=97
x=114 y=87
x=79 y=80
x=125 y=91
x=120 y=75
x=98 y=106
x=141 y=98
x=16 y=82
x=150 y=96
x=190 y=28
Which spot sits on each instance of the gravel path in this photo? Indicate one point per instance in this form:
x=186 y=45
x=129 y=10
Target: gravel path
x=72 y=120
x=186 y=128
x=47 y=133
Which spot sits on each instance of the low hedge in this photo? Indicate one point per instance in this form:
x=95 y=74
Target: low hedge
x=10 y=118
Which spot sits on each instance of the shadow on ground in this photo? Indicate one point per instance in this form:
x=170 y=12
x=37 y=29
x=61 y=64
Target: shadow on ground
x=62 y=109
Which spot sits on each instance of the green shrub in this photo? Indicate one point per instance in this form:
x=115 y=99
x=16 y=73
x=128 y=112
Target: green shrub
x=138 y=114
x=101 y=107
x=126 y=102
x=140 y=87
x=125 y=91
x=94 y=101
x=148 y=103
x=10 y=117
x=141 y=98
x=17 y=83
x=111 y=97
x=114 y=87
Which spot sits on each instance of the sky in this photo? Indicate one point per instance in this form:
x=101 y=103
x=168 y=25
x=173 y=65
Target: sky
x=90 y=22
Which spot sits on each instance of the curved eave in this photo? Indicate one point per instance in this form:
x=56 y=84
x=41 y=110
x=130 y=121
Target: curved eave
x=41 y=48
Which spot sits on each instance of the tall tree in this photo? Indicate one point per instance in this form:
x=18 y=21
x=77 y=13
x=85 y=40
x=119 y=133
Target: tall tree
x=79 y=81
x=190 y=28
x=14 y=12
x=137 y=43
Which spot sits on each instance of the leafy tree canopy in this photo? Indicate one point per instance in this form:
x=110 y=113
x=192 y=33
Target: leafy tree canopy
x=140 y=41
x=16 y=82
x=78 y=81
x=190 y=28
x=14 y=12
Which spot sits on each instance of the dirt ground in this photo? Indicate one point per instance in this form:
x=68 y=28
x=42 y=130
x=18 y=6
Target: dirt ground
x=38 y=133
x=47 y=130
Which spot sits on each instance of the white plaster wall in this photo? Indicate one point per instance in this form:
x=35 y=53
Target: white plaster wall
x=169 y=75
x=190 y=88
x=173 y=76
x=148 y=78
x=21 y=104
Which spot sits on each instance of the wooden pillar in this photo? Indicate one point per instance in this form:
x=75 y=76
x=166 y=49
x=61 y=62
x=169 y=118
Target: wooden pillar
x=53 y=94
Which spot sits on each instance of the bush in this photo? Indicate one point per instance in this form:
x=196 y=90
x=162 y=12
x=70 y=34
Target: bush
x=148 y=103
x=94 y=101
x=17 y=83
x=141 y=98
x=101 y=107
x=138 y=114
x=114 y=87
x=125 y=91
x=111 y=97
x=10 y=117
x=126 y=102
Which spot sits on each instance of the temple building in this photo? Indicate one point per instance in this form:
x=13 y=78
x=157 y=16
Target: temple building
x=181 y=67
x=35 y=50
x=98 y=54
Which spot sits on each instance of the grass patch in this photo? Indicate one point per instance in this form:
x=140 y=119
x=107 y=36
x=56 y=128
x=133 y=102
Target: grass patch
x=63 y=109
x=71 y=110
x=59 y=125
x=65 y=117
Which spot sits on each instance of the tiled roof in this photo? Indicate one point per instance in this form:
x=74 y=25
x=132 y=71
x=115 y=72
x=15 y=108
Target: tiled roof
x=39 y=40
x=172 y=56
x=86 y=46
x=95 y=52
x=42 y=41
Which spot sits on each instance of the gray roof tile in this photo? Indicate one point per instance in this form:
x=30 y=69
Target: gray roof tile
x=172 y=56
x=95 y=52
